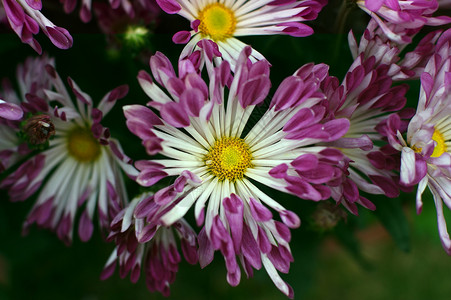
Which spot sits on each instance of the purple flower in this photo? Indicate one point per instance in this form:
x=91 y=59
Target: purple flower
x=399 y=18
x=141 y=245
x=81 y=167
x=200 y=133
x=426 y=150
x=223 y=21
x=25 y=18
x=367 y=98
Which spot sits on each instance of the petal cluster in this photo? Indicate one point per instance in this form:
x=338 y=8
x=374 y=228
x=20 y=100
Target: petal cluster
x=25 y=18
x=366 y=98
x=375 y=43
x=400 y=19
x=147 y=246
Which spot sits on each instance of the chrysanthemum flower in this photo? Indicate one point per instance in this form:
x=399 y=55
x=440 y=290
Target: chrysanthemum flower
x=367 y=97
x=406 y=15
x=30 y=80
x=81 y=166
x=219 y=165
x=149 y=246
x=426 y=151
x=25 y=18
x=223 y=21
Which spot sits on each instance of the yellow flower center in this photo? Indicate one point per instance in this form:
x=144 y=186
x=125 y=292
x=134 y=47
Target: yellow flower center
x=217 y=22
x=82 y=145
x=439 y=148
x=229 y=159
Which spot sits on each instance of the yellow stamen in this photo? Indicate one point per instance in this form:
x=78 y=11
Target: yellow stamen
x=82 y=145
x=229 y=159
x=440 y=148
x=217 y=22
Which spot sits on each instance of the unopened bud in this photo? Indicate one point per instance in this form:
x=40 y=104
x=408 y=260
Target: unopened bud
x=136 y=36
x=38 y=129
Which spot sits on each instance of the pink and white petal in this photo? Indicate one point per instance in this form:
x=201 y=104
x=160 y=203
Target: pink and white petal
x=408 y=172
x=10 y=111
x=443 y=232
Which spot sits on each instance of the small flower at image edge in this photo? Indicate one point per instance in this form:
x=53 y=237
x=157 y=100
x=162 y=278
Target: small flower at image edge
x=426 y=150
x=223 y=21
x=82 y=166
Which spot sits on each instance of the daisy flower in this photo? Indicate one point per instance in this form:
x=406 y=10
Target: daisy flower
x=25 y=18
x=150 y=247
x=223 y=20
x=426 y=150
x=81 y=167
x=399 y=18
x=219 y=165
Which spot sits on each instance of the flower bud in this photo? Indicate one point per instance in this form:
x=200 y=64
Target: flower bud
x=38 y=129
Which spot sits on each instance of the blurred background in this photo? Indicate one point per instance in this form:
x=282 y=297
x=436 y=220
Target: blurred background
x=363 y=262
x=392 y=253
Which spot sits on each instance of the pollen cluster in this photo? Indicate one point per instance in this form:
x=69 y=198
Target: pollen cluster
x=229 y=159
x=82 y=145
x=217 y=22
